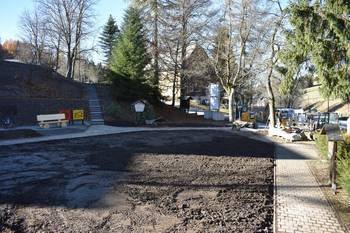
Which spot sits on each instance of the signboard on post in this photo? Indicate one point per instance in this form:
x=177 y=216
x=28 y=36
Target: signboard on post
x=333 y=136
x=78 y=115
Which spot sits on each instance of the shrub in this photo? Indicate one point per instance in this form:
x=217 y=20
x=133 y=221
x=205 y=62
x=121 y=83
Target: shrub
x=114 y=109
x=322 y=144
x=149 y=113
x=343 y=169
x=343 y=164
x=343 y=159
x=128 y=89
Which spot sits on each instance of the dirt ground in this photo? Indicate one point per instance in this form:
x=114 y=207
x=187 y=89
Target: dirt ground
x=18 y=133
x=175 y=181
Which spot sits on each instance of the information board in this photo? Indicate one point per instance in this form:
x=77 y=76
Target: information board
x=78 y=114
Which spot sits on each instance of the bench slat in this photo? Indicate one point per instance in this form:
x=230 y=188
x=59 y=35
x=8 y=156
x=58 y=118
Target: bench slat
x=51 y=117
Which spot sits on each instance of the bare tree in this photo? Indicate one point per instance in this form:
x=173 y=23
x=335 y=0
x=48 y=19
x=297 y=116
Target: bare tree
x=34 y=33
x=239 y=45
x=70 y=21
x=185 y=23
x=276 y=27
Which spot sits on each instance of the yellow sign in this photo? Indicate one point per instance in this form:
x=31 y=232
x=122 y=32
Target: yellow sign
x=245 y=116
x=78 y=114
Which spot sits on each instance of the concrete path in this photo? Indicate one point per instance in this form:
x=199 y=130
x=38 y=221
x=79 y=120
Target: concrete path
x=97 y=130
x=301 y=205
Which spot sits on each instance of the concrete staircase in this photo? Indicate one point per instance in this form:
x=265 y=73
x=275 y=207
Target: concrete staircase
x=96 y=117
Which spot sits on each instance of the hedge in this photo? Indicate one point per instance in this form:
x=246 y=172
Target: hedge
x=343 y=159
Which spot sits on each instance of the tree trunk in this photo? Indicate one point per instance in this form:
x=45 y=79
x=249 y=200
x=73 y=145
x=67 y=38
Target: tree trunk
x=175 y=74
x=183 y=55
x=271 y=100
x=231 y=106
x=156 y=46
x=58 y=53
x=69 y=67
x=174 y=87
x=327 y=103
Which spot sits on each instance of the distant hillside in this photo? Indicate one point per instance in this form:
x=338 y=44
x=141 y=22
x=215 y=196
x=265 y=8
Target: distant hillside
x=33 y=90
x=312 y=99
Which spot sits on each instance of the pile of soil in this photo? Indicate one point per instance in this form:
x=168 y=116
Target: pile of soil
x=18 y=133
x=174 y=181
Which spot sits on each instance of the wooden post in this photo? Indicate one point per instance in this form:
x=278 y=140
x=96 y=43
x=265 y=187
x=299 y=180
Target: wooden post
x=333 y=169
x=333 y=136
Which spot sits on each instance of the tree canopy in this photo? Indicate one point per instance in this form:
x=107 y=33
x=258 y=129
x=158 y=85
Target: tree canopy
x=108 y=37
x=129 y=56
x=321 y=35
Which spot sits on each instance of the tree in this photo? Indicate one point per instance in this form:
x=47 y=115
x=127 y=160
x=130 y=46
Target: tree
x=184 y=25
x=129 y=56
x=239 y=44
x=276 y=26
x=322 y=32
x=108 y=37
x=34 y=33
x=152 y=15
x=10 y=48
x=70 y=22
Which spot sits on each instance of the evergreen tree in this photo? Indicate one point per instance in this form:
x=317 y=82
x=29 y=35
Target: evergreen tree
x=321 y=33
x=108 y=37
x=129 y=56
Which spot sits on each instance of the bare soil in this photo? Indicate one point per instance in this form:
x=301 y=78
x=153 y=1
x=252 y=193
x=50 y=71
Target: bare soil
x=175 y=181
x=18 y=133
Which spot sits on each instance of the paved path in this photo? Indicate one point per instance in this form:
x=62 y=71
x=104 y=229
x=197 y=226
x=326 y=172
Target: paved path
x=97 y=130
x=301 y=205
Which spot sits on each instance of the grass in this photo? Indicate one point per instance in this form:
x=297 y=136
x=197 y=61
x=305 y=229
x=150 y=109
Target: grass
x=343 y=159
x=322 y=145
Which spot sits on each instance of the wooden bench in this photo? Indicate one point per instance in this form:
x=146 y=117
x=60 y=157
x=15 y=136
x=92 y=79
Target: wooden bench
x=58 y=119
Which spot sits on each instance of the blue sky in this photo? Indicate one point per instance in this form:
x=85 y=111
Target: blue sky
x=11 y=11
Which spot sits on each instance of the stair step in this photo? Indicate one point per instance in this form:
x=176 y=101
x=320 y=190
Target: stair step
x=96 y=116
x=97 y=120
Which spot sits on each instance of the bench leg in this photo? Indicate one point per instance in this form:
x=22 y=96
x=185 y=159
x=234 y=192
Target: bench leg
x=64 y=124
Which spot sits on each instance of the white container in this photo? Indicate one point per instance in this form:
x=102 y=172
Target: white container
x=218 y=116
x=207 y=115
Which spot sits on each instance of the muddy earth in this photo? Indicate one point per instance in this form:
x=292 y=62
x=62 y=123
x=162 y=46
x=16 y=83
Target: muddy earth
x=175 y=181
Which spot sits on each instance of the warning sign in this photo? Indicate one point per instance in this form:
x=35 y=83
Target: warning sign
x=78 y=114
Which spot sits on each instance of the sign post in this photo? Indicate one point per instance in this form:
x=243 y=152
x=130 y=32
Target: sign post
x=333 y=136
x=78 y=115
x=139 y=107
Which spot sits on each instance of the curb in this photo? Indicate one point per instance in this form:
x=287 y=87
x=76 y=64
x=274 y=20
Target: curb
x=275 y=193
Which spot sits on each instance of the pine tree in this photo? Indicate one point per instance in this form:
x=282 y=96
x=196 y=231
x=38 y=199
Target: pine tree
x=321 y=33
x=108 y=37
x=129 y=56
